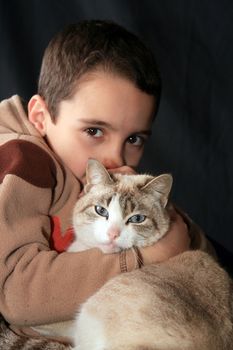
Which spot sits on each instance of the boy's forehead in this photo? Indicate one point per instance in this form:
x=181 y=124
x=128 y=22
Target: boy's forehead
x=106 y=98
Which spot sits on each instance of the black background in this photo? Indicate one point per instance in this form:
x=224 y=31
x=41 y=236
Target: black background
x=193 y=43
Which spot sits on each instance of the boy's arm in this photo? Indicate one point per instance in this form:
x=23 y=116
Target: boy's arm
x=176 y=241
x=38 y=285
x=183 y=235
x=197 y=236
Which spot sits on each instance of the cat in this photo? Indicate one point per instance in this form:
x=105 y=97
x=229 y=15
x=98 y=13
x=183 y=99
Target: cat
x=120 y=211
x=183 y=303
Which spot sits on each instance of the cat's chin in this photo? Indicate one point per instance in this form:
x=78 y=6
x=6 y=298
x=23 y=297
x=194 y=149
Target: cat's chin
x=109 y=248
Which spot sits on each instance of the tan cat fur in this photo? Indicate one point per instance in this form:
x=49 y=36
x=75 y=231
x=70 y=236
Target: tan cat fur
x=184 y=303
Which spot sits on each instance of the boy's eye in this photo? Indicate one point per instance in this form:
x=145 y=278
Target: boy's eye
x=95 y=132
x=136 y=140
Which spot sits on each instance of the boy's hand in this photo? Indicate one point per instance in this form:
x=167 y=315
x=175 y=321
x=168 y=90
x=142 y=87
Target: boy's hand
x=176 y=241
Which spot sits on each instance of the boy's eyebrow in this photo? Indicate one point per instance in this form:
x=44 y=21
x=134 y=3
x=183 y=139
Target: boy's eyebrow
x=96 y=122
x=146 y=132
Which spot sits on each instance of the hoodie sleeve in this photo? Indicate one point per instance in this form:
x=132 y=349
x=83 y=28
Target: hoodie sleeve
x=38 y=285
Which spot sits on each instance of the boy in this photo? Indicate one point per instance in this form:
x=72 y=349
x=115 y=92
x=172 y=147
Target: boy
x=98 y=93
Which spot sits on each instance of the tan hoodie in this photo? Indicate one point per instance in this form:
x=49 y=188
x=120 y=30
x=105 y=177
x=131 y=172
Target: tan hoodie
x=38 y=285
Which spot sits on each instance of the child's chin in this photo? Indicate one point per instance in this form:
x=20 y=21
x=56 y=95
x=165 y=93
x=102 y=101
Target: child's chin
x=109 y=248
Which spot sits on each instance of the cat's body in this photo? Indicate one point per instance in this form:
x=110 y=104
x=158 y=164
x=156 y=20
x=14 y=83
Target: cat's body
x=184 y=303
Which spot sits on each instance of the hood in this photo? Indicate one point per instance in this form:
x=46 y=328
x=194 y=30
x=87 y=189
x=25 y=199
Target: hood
x=14 y=120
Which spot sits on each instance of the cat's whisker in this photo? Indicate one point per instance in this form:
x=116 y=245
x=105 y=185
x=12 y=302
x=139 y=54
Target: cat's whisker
x=143 y=235
x=135 y=256
x=138 y=257
x=140 y=261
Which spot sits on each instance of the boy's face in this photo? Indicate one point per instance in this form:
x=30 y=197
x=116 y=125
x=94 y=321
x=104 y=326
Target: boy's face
x=108 y=119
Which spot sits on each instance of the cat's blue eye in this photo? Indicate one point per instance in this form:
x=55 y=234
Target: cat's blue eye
x=137 y=219
x=101 y=211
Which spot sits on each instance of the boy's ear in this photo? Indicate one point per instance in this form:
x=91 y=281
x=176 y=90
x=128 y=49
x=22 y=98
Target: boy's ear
x=38 y=113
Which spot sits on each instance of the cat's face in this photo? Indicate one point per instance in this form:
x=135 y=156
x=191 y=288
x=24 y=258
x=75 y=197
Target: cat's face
x=121 y=211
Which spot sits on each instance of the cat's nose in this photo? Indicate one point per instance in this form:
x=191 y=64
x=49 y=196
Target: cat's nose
x=113 y=233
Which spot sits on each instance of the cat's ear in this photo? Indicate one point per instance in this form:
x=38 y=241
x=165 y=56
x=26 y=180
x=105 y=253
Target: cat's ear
x=161 y=186
x=96 y=174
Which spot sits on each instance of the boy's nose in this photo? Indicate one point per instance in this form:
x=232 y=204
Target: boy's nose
x=110 y=164
x=113 y=160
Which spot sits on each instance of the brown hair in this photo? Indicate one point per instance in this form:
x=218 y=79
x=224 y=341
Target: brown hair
x=90 y=45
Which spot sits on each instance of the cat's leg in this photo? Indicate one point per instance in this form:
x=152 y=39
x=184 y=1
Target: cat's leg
x=76 y=246
x=59 y=329
x=88 y=333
